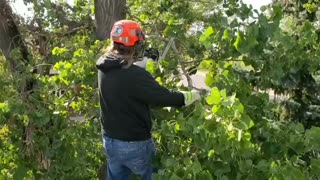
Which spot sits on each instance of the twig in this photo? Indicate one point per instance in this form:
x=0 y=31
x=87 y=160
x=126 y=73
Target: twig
x=73 y=30
x=198 y=1
x=226 y=60
x=190 y=62
x=34 y=99
x=38 y=65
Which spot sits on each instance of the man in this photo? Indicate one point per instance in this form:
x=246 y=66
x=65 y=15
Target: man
x=126 y=91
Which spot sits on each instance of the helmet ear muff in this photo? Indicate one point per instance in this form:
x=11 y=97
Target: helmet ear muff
x=139 y=47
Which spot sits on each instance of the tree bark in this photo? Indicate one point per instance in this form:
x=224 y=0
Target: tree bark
x=107 y=12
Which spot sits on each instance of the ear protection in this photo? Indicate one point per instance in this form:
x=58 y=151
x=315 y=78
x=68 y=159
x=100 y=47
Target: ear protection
x=139 y=46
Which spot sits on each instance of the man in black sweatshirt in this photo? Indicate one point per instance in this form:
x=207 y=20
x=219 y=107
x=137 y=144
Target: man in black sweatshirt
x=126 y=91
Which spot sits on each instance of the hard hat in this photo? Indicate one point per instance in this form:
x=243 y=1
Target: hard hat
x=127 y=32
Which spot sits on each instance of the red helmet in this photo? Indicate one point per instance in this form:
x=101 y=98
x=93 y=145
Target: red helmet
x=127 y=32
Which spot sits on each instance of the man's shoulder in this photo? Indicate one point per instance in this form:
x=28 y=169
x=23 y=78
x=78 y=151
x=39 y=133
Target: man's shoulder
x=138 y=74
x=139 y=70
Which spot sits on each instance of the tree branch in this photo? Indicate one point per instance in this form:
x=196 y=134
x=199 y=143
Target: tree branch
x=183 y=68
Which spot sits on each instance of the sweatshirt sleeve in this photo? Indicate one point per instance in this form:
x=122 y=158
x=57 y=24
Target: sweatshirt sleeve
x=149 y=91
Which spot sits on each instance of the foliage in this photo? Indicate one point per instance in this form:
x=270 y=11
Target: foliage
x=235 y=132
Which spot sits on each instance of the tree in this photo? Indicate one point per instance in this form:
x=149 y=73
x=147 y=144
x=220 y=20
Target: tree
x=235 y=132
x=302 y=83
x=34 y=114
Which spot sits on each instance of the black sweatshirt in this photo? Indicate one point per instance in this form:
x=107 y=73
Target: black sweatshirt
x=125 y=96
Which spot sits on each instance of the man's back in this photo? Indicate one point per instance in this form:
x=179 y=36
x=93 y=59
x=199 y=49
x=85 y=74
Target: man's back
x=125 y=96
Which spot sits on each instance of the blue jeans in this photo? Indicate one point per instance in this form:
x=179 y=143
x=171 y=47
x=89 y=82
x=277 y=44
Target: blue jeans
x=125 y=158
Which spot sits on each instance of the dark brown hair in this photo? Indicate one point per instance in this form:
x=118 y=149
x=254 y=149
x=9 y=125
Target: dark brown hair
x=120 y=49
x=126 y=53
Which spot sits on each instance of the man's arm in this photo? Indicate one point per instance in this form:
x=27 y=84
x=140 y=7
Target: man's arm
x=148 y=90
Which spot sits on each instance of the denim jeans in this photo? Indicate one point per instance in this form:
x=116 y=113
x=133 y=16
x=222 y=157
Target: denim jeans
x=125 y=158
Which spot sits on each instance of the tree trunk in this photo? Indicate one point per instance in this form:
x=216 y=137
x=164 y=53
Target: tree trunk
x=10 y=39
x=108 y=12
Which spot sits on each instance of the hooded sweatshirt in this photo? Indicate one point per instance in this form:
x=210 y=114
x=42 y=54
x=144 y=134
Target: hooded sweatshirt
x=125 y=99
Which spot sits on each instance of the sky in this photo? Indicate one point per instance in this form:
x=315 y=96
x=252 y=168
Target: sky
x=19 y=7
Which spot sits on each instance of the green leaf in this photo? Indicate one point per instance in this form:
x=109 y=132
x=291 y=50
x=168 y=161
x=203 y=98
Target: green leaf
x=93 y=10
x=62 y=50
x=315 y=167
x=177 y=127
x=79 y=52
x=247 y=136
x=55 y=51
x=214 y=97
x=204 y=37
x=204 y=175
x=298 y=127
x=159 y=80
x=151 y=67
x=238 y=107
x=68 y=66
x=207 y=64
x=47 y=4
x=175 y=177
x=229 y=101
x=239 y=41
x=312 y=138
x=207 y=44
x=226 y=34
x=196 y=166
x=209 y=79
x=215 y=109
x=211 y=153
x=245 y=165
x=209 y=31
x=262 y=165
x=169 y=162
x=245 y=123
x=20 y=173
x=4 y=107
x=170 y=22
x=223 y=93
x=263 y=8
x=292 y=173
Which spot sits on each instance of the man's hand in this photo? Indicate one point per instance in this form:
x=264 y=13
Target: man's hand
x=152 y=54
x=190 y=97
